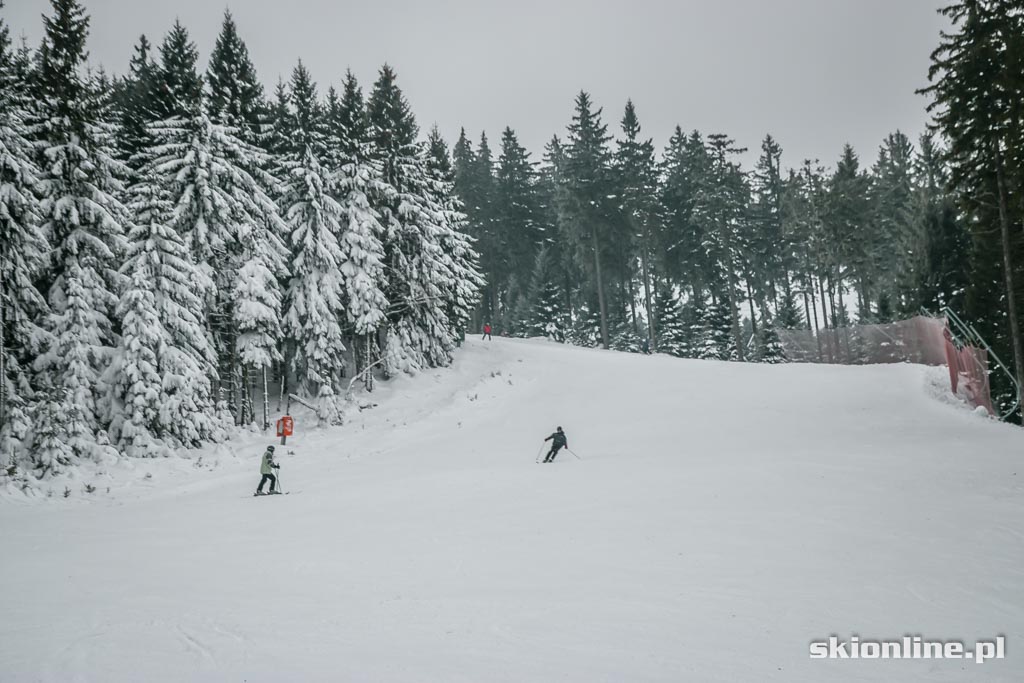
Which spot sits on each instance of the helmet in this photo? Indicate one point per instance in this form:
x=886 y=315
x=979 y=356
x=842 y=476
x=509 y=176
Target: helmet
x=559 y=429
x=270 y=448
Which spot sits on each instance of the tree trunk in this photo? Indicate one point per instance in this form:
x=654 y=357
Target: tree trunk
x=750 y=304
x=495 y=306
x=369 y=363
x=812 y=320
x=266 y=402
x=1008 y=275
x=600 y=290
x=824 y=321
x=3 y=360
x=846 y=319
x=647 y=295
x=632 y=304
x=831 y=288
x=284 y=384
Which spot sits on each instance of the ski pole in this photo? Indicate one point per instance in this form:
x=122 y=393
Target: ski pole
x=537 y=459
x=280 y=488
x=573 y=452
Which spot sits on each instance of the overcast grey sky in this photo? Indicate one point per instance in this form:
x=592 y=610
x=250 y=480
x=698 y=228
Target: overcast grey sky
x=814 y=73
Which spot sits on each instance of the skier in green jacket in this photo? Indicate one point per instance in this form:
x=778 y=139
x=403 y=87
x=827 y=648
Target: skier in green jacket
x=267 y=467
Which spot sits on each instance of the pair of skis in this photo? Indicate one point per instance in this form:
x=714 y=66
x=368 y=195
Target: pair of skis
x=542 y=447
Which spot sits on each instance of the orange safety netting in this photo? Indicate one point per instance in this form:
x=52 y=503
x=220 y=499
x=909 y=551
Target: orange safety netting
x=917 y=340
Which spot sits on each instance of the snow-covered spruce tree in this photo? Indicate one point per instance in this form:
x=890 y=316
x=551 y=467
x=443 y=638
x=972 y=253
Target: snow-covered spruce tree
x=362 y=261
x=257 y=297
x=51 y=451
x=429 y=277
x=256 y=313
x=625 y=337
x=177 y=87
x=355 y=178
x=720 y=205
x=161 y=376
x=314 y=300
x=219 y=191
x=693 y=328
x=135 y=99
x=314 y=311
x=789 y=316
x=23 y=247
x=768 y=345
x=248 y=334
x=514 y=309
x=234 y=94
x=462 y=290
x=718 y=341
x=547 y=317
x=672 y=332
x=221 y=208
x=84 y=220
x=586 y=327
x=423 y=274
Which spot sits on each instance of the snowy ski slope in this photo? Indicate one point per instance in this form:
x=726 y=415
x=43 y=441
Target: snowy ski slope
x=721 y=518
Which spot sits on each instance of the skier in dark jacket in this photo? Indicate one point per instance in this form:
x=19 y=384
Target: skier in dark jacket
x=558 y=442
x=267 y=467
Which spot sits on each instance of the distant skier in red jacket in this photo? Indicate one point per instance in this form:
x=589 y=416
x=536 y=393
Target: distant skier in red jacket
x=487 y=331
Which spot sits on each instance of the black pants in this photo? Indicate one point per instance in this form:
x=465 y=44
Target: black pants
x=267 y=477
x=551 y=455
x=487 y=335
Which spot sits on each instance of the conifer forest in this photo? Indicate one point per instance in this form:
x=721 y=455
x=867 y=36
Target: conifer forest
x=181 y=246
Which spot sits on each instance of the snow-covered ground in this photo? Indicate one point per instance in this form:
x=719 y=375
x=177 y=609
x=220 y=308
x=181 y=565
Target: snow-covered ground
x=721 y=518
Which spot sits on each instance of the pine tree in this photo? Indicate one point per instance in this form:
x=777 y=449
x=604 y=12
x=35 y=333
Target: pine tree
x=718 y=341
x=769 y=347
x=789 y=316
x=23 y=248
x=235 y=96
x=721 y=205
x=362 y=252
x=178 y=87
x=672 y=332
x=276 y=140
x=693 y=312
x=547 y=317
x=583 y=205
x=768 y=267
x=625 y=338
x=136 y=100
x=637 y=186
x=350 y=124
x=162 y=389
x=586 y=326
x=229 y=223
x=847 y=232
x=461 y=290
x=315 y=305
x=423 y=250
x=895 y=243
x=516 y=209
x=945 y=275
x=84 y=219
x=977 y=87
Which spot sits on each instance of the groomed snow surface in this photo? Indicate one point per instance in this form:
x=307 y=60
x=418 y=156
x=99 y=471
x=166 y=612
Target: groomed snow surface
x=722 y=517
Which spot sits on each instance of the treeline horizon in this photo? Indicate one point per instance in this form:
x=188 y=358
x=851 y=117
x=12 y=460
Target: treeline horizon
x=607 y=240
